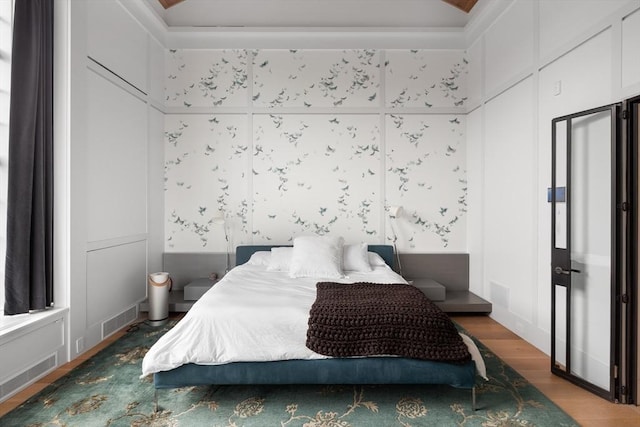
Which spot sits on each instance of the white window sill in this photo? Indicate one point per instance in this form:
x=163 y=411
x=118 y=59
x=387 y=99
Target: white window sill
x=19 y=324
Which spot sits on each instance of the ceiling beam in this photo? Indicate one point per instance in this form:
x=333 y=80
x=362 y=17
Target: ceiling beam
x=465 y=5
x=168 y=3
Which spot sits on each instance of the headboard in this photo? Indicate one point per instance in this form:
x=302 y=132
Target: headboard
x=450 y=269
x=243 y=253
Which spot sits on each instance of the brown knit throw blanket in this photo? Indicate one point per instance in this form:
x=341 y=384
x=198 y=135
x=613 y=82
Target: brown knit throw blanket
x=368 y=319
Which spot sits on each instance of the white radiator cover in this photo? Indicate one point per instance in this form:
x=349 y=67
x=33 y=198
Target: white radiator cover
x=26 y=377
x=117 y=322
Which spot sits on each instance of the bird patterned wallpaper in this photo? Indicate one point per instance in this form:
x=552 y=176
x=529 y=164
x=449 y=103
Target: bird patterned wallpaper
x=289 y=142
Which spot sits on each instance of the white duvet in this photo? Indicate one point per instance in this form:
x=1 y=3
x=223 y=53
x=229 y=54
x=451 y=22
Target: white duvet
x=251 y=315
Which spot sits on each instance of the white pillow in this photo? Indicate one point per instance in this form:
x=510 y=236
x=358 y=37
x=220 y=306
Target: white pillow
x=280 y=259
x=375 y=260
x=355 y=258
x=260 y=258
x=317 y=256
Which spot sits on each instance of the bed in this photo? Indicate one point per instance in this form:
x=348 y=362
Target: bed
x=174 y=361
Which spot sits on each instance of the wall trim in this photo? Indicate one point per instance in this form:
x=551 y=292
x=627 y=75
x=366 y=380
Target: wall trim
x=315 y=110
x=116 y=79
x=601 y=26
x=480 y=23
x=116 y=241
x=147 y=18
x=510 y=84
x=316 y=38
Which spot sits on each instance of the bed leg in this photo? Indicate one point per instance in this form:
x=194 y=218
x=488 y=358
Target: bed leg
x=473 y=399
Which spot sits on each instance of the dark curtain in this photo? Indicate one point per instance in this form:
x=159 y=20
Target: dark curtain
x=29 y=260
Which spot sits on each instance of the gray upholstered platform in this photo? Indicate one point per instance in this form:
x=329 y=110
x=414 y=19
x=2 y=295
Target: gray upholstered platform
x=433 y=290
x=427 y=271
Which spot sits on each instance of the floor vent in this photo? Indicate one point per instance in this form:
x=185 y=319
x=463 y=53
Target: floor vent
x=26 y=377
x=116 y=323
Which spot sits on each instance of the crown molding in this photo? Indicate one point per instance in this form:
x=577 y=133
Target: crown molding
x=148 y=18
x=483 y=15
x=314 y=38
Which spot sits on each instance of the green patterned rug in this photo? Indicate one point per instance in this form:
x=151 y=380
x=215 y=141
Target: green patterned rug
x=106 y=391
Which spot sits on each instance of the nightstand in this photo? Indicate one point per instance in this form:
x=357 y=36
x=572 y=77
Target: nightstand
x=196 y=288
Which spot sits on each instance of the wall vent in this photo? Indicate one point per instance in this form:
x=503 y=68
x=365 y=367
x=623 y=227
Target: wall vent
x=27 y=376
x=116 y=323
x=499 y=294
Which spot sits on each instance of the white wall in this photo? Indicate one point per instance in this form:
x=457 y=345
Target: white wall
x=475 y=198
x=509 y=47
x=155 y=155
x=118 y=42
x=40 y=338
x=108 y=184
x=115 y=144
x=116 y=160
x=584 y=49
x=571 y=56
x=514 y=67
x=322 y=141
x=509 y=176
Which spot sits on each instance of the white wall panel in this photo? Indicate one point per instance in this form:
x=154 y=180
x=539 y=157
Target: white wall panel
x=206 y=78
x=116 y=279
x=316 y=78
x=28 y=349
x=425 y=78
x=508 y=199
x=585 y=82
x=584 y=76
x=156 y=190
x=426 y=175
x=544 y=224
x=562 y=21
x=307 y=166
x=474 y=144
x=509 y=45
x=316 y=174
x=117 y=41
x=206 y=171
x=116 y=161
x=476 y=73
x=630 y=49
x=156 y=71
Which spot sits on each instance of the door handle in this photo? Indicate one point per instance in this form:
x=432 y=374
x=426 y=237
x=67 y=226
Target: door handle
x=560 y=270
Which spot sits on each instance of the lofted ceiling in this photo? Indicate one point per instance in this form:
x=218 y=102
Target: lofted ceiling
x=315 y=13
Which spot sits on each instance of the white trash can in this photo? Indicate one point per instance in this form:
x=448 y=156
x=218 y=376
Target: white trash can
x=159 y=285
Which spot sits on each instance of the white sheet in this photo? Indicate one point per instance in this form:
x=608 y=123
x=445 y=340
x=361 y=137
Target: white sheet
x=251 y=315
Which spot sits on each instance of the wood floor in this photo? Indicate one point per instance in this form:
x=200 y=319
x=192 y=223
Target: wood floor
x=586 y=408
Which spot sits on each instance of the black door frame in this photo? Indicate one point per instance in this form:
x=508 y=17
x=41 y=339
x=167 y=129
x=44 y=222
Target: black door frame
x=560 y=264
x=632 y=108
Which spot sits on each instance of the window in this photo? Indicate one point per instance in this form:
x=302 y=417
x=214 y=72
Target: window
x=6 y=19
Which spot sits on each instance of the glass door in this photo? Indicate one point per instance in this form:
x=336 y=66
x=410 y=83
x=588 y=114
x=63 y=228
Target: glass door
x=584 y=198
